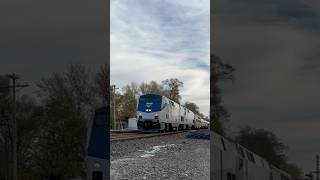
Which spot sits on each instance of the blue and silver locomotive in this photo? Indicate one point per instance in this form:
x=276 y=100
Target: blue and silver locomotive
x=159 y=113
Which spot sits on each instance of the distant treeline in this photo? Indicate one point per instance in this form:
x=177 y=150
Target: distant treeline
x=126 y=100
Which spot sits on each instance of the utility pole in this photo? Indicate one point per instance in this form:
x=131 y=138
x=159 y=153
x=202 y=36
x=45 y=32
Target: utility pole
x=317 y=171
x=14 y=77
x=317 y=167
x=114 y=106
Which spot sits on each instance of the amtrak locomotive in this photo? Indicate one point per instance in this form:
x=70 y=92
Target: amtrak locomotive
x=159 y=113
x=98 y=145
x=231 y=161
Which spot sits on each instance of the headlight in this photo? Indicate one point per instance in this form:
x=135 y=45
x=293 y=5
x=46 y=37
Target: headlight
x=97 y=165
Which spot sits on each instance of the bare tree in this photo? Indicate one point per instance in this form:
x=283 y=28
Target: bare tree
x=171 y=88
x=103 y=82
x=219 y=72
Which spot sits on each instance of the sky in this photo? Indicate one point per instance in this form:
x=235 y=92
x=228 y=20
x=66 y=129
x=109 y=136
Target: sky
x=38 y=38
x=161 y=39
x=274 y=47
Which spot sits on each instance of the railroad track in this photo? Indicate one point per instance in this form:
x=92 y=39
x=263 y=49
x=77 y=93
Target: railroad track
x=118 y=136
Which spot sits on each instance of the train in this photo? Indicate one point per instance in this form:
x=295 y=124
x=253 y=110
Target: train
x=98 y=145
x=231 y=161
x=156 y=113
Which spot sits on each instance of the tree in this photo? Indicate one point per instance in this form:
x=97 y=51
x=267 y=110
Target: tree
x=102 y=82
x=293 y=170
x=128 y=103
x=27 y=127
x=267 y=145
x=264 y=143
x=219 y=72
x=152 y=87
x=5 y=129
x=171 y=89
x=194 y=108
x=67 y=102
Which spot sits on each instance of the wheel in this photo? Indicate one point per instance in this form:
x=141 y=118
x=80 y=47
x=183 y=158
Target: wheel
x=167 y=128
x=170 y=127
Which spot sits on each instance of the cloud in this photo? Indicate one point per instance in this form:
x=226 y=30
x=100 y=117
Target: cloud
x=160 y=39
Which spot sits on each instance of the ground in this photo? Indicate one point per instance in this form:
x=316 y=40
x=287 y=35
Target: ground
x=163 y=157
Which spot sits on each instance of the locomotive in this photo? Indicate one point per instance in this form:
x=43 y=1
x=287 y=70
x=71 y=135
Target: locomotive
x=231 y=161
x=159 y=113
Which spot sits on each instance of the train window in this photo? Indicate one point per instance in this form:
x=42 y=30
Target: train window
x=284 y=177
x=252 y=157
x=240 y=163
x=246 y=170
x=147 y=99
x=101 y=119
x=224 y=146
x=231 y=176
x=241 y=151
x=97 y=175
x=262 y=162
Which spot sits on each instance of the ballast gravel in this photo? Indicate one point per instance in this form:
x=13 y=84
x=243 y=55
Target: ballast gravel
x=179 y=156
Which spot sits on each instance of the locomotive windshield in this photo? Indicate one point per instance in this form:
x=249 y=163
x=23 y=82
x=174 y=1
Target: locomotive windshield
x=100 y=118
x=150 y=103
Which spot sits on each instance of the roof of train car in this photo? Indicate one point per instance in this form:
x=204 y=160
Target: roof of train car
x=254 y=154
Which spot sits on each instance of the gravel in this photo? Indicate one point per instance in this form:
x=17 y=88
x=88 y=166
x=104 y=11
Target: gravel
x=163 y=157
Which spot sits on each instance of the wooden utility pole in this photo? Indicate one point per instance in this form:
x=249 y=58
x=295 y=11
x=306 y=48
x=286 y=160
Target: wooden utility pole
x=14 y=77
x=115 y=124
x=317 y=171
x=317 y=167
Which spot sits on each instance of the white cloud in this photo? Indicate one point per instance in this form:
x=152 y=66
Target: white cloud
x=160 y=39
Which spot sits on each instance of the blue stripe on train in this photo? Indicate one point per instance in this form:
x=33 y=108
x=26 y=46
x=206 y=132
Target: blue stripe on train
x=99 y=142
